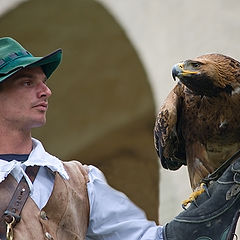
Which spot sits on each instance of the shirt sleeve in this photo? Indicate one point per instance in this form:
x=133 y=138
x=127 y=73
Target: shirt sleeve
x=113 y=216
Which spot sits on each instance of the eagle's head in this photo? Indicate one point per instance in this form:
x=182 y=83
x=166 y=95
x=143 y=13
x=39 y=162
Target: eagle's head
x=209 y=75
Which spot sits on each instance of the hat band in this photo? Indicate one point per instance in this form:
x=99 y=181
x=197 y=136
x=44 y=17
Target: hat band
x=12 y=56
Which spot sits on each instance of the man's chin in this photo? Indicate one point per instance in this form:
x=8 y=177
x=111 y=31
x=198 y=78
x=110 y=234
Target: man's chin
x=38 y=124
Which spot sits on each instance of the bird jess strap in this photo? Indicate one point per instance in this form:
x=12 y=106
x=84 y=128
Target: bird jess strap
x=11 y=212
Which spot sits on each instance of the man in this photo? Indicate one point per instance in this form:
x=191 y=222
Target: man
x=67 y=200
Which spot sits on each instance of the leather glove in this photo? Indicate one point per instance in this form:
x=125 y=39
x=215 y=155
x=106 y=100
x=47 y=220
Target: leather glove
x=214 y=214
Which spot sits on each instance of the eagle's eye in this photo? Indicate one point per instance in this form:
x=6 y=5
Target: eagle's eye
x=195 y=64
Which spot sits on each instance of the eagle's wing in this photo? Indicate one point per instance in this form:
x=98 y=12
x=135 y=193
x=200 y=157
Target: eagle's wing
x=168 y=140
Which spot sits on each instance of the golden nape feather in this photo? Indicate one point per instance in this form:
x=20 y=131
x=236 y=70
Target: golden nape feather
x=198 y=124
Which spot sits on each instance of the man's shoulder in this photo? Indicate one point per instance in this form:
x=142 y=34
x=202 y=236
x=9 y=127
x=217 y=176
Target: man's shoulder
x=76 y=169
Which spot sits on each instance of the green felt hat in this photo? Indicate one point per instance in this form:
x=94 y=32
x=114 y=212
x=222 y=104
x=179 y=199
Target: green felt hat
x=13 y=57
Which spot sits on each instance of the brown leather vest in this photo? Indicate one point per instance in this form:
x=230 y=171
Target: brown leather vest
x=66 y=213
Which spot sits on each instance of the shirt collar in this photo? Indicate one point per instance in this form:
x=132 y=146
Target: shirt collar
x=39 y=157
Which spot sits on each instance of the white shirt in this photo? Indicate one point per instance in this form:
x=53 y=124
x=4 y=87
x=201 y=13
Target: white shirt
x=112 y=215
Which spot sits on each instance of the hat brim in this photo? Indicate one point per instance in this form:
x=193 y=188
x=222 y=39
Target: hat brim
x=48 y=64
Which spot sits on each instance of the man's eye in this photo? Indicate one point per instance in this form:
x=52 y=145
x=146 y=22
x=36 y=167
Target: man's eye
x=27 y=83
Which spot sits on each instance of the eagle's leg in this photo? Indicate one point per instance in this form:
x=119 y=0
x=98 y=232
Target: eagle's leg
x=198 y=163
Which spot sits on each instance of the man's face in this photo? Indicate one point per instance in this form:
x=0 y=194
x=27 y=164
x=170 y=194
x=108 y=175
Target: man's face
x=24 y=99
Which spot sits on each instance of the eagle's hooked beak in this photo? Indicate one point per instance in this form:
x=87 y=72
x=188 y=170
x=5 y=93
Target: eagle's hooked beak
x=179 y=71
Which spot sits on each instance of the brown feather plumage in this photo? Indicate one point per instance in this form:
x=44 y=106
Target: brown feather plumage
x=198 y=124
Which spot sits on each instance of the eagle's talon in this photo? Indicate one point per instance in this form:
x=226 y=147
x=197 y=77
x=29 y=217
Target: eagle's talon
x=183 y=206
x=206 y=189
x=195 y=203
x=193 y=196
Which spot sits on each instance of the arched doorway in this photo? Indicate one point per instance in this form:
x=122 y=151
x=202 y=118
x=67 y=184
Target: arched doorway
x=102 y=110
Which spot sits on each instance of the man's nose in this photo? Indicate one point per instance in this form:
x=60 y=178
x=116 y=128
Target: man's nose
x=44 y=90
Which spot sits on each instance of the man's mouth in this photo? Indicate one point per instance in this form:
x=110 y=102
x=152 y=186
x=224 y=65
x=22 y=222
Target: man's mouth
x=41 y=106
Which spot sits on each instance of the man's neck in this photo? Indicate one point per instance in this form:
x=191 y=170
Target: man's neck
x=15 y=143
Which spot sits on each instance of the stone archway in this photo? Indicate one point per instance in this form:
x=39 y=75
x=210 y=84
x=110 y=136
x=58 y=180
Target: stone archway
x=102 y=110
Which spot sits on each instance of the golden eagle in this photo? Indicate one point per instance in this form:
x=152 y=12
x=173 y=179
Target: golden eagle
x=199 y=123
